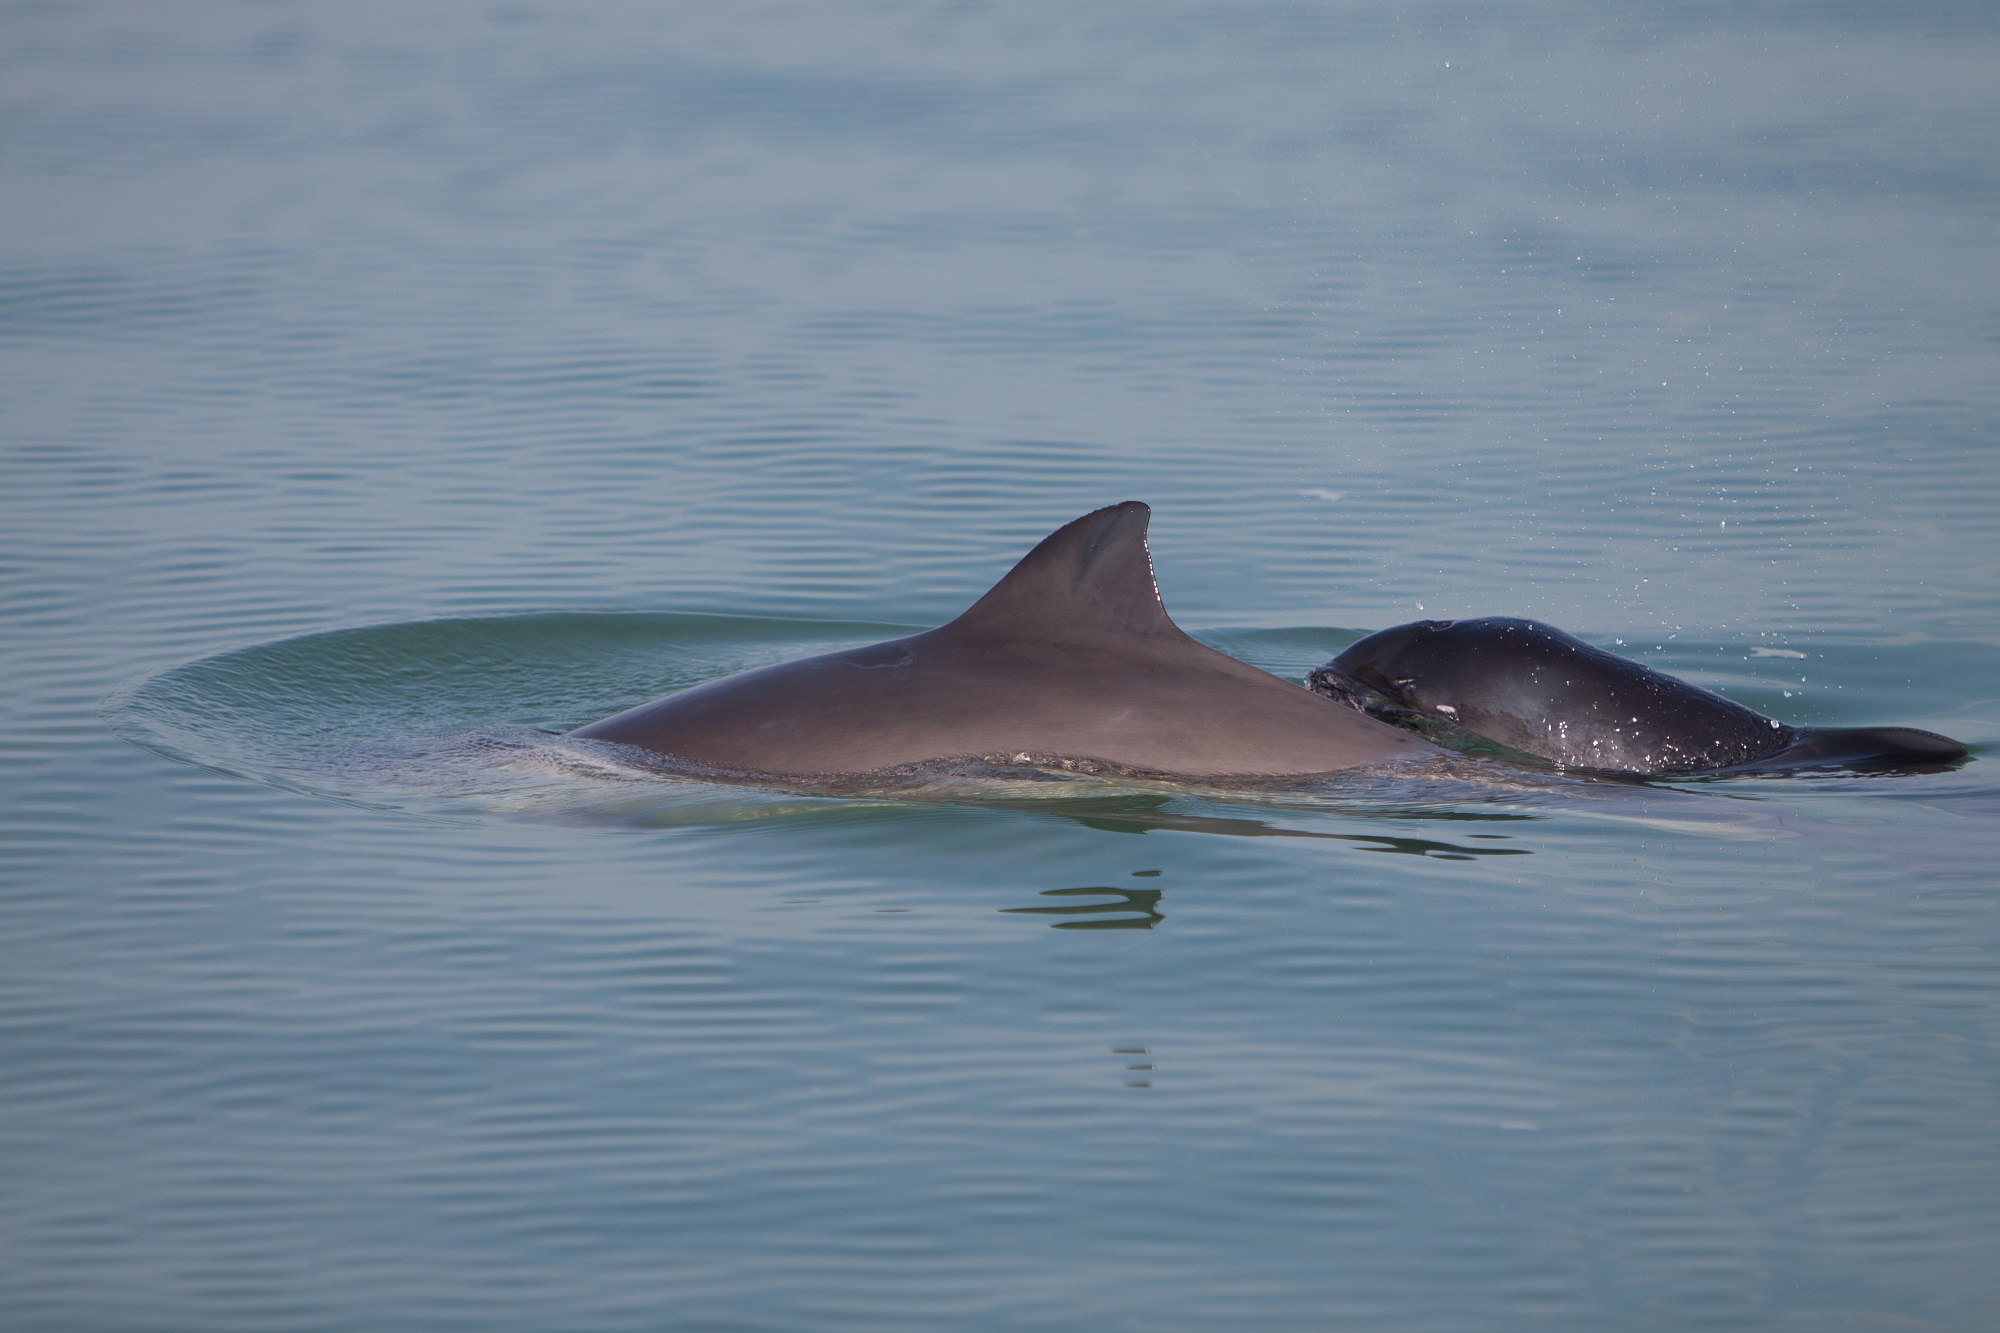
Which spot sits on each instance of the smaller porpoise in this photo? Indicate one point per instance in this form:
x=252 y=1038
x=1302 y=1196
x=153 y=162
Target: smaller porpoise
x=1541 y=692
x=1069 y=661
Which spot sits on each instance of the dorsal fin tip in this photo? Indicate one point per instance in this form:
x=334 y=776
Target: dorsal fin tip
x=1091 y=578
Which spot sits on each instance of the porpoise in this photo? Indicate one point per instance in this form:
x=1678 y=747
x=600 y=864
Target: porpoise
x=1534 y=689
x=1070 y=660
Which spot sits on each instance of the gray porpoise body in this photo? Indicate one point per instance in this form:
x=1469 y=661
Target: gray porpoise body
x=1535 y=689
x=1071 y=656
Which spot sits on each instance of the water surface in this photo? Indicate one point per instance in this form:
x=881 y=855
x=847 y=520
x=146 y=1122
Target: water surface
x=384 y=388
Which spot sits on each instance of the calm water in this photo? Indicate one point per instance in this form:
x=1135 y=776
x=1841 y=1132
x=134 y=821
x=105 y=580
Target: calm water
x=384 y=385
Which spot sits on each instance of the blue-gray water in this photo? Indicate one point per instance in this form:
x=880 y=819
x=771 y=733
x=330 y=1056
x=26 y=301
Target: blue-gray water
x=382 y=383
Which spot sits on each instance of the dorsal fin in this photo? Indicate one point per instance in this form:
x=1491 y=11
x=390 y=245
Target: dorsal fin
x=1089 y=580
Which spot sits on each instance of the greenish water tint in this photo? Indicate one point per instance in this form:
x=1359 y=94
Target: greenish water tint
x=387 y=390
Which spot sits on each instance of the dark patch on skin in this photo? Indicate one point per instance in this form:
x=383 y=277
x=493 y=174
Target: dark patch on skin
x=881 y=656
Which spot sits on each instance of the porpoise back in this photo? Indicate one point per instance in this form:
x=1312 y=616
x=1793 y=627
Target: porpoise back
x=1071 y=656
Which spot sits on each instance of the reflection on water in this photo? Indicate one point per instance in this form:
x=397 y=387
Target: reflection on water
x=1130 y=909
x=1148 y=814
x=1144 y=1066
